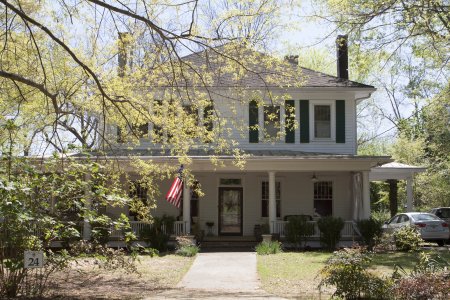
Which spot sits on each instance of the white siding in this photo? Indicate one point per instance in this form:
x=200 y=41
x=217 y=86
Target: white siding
x=296 y=197
x=235 y=112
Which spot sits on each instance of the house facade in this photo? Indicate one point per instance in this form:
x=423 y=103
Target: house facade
x=310 y=168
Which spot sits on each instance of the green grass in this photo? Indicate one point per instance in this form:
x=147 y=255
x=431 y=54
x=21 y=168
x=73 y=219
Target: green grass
x=295 y=275
x=383 y=264
x=291 y=274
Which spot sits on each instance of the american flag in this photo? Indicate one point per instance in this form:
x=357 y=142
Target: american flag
x=174 y=194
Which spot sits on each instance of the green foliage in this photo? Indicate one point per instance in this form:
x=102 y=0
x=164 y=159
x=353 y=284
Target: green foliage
x=158 y=233
x=407 y=239
x=186 y=247
x=371 y=231
x=428 y=279
x=330 y=231
x=187 y=250
x=265 y=228
x=101 y=229
x=346 y=271
x=266 y=248
x=424 y=286
x=298 y=229
x=46 y=204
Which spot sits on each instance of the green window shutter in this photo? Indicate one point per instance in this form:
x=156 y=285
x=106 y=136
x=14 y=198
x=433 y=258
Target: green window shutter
x=340 y=121
x=208 y=112
x=253 y=133
x=304 y=121
x=289 y=109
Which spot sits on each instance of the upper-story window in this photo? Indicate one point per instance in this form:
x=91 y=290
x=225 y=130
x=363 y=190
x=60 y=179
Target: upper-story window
x=140 y=130
x=322 y=121
x=322 y=124
x=271 y=121
x=137 y=130
x=189 y=118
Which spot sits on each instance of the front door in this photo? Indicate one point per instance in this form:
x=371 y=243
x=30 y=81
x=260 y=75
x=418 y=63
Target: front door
x=230 y=211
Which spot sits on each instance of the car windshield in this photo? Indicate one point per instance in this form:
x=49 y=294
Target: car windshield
x=424 y=217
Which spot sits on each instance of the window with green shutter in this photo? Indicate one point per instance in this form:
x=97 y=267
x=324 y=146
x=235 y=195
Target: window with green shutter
x=253 y=122
x=289 y=109
x=340 y=121
x=304 y=121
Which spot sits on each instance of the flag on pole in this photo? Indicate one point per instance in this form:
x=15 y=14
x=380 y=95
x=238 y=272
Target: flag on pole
x=174 y=194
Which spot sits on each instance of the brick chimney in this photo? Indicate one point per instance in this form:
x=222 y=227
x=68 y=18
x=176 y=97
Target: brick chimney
x=342 y=56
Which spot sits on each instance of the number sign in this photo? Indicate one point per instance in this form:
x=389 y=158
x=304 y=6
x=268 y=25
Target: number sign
x=33 y=259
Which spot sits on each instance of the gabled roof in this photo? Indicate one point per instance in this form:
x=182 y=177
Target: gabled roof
x=260 y=70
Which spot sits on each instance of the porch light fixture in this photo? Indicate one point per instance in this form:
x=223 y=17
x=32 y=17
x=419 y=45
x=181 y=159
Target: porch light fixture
x=314 y=178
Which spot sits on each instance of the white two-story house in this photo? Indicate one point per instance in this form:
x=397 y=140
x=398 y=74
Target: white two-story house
x=311 y=168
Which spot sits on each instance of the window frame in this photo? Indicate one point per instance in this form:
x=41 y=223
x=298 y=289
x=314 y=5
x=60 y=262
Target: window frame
x=261 y=126
x=277 y=200
x=312 y=116
x=332 y=197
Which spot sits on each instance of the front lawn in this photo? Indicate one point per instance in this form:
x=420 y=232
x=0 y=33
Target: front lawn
x=84 y=280
x=295 y=275
x=291 y=274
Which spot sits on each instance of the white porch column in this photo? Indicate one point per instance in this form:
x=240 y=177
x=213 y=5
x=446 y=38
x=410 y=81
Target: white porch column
x=86 y=224
x=365 y=195
x=409 y=194
x=187 y=208
x=272 y=202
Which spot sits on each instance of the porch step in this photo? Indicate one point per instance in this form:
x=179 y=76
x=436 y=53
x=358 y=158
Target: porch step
x=228 y=244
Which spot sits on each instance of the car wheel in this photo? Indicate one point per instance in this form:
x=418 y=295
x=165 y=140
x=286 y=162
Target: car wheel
x=440 y=243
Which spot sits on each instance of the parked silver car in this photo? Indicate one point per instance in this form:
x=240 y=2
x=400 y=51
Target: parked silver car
x=431 y=228
x=442 y=212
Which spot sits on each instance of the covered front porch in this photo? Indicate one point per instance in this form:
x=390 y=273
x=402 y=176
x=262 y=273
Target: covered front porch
x=268 y=189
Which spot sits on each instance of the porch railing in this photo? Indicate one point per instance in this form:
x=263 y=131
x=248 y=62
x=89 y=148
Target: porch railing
x=349 y=230
x=137 y=226
x=179 y=228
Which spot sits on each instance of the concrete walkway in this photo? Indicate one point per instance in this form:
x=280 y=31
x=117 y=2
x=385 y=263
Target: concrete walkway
x=221 y=275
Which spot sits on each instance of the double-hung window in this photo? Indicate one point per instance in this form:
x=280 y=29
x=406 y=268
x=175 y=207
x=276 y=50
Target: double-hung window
x=323 y=198
x=265 y=198
x=271 y=121
x=322 y=121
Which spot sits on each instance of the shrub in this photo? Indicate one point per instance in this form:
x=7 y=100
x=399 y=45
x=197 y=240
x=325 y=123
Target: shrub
x=158 y=233
x=101 y=229
x=185 y=247
x=330 y=231
x=407 y=239
x=265 y=248
x=424 y=286
x=298 y=229
x=385 y=242
x=345 y=270
x=370 y=230
x=188 y=251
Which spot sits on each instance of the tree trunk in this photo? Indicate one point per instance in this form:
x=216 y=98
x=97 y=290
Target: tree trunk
x=393 y=196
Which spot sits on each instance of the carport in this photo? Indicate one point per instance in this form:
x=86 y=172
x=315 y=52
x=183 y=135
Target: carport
x=394 y=171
